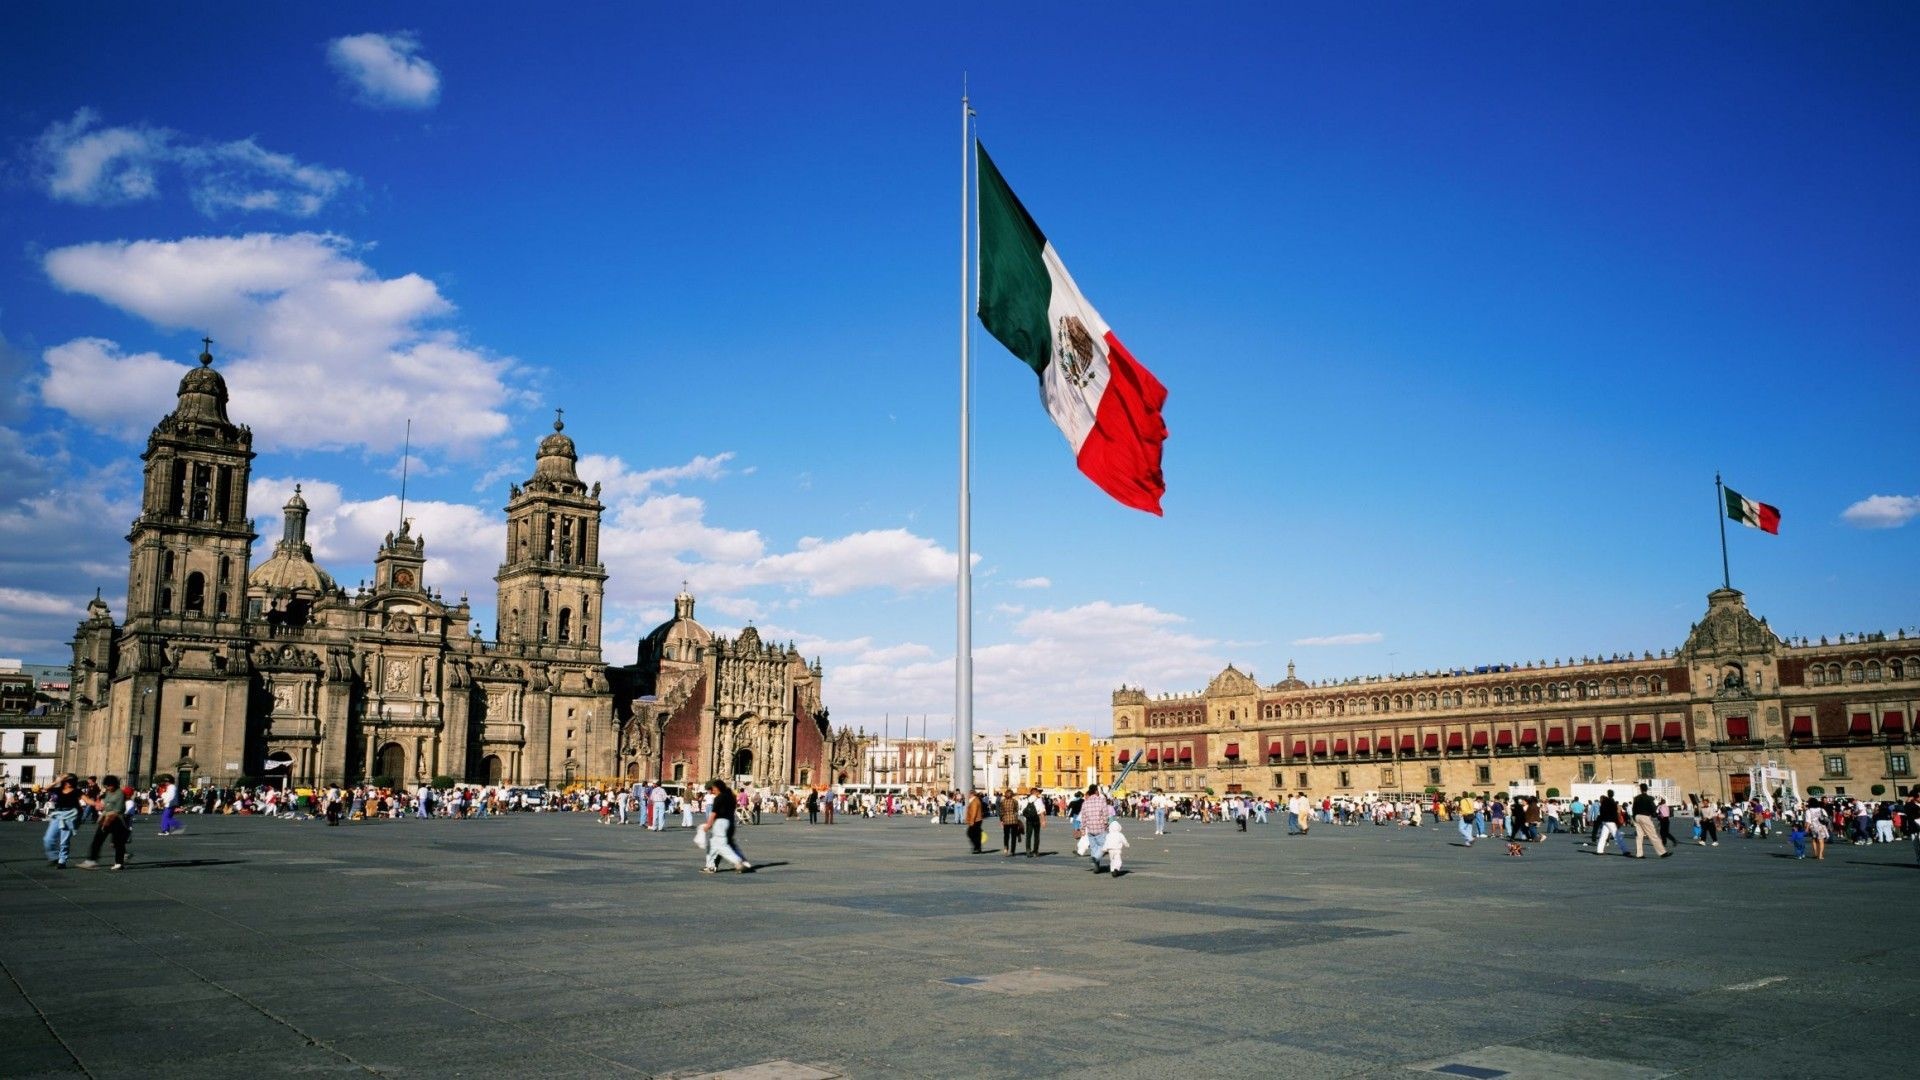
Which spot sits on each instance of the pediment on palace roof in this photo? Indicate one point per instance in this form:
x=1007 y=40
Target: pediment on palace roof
x=1729 y=629
x=1232 y=681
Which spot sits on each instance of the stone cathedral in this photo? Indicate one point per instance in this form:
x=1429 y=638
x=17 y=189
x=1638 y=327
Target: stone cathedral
x=223 y=671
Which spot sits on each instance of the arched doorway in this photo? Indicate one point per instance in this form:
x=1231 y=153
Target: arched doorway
x=490 y=768
x=742 y=763
x=391 y=763
x=633 y=770
x=279 y=771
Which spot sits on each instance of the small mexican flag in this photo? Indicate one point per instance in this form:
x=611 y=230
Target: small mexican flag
x=1756 y=514
x=1103 y=400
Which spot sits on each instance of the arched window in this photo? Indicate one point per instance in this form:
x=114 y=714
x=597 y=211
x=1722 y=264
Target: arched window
x=566 y=624
x=1873 y=671
x=1855 y=673
x=220 y=603
x=166 y=566
x=1833 y=674
x=1657 y=685
x=196 y=600
x=226 y=569
x=1640 y=685
x=166 y=599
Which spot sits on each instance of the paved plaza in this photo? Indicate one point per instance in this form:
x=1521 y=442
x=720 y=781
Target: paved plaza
x=549 y=945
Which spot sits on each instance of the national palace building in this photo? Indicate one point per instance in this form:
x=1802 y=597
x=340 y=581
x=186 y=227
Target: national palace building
x=224 y=670
x=1734 y=697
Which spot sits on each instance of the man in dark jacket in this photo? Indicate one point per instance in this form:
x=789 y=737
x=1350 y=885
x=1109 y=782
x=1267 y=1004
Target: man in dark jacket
x=1646 y=829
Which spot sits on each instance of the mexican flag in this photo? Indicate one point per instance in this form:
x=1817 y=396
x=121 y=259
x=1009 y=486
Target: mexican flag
x=1756 y=514
x=1103 y=400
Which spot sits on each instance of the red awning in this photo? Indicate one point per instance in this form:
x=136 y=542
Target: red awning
x=1276 y=750
x=1479 y=739
x=1339 y=746
x=1893 y=722
x=1582 y=735
x=1364 y=746
x=1529 y=736
x=1433 y=740
x=1406 y=742
x=1671 y=732
x=1503 y=738
x=1186 y=753
x=1319 y=747
x=1803 y=726
x=1862 y=724
x=1456 y=740
x=1643 y=733
x=1610 y=733
x=1153 y=755
x=1737 y=729
x=1299 y=748
x=1233 y=749
x=1126 y=756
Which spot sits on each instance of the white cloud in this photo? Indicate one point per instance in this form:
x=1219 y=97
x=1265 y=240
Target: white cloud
x=1033 y=583
x=245 y=176
x=386 y=70
x=57 y=545
x=94 y=382
x=1060 y=667
x=100 y=167
x=878 y=558
x=1343 y=639
x=30 y=602
x=617 y=481
x=317 y=348
x=80 y=162
x=464 y=543
x=1882 y=511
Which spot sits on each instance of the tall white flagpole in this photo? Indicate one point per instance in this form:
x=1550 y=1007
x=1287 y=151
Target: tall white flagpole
x=963 y=646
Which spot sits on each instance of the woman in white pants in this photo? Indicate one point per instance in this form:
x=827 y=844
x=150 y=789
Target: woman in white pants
x=719 y=826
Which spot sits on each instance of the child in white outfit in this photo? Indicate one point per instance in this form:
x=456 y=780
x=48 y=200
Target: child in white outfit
x=1116 y=844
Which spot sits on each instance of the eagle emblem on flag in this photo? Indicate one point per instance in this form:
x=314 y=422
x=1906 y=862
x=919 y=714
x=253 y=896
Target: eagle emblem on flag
x=1074 y=348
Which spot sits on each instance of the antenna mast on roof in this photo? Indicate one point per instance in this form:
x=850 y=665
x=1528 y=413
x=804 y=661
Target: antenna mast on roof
x=405 y=453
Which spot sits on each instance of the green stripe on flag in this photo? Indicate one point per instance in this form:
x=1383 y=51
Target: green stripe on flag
x=1015 y=287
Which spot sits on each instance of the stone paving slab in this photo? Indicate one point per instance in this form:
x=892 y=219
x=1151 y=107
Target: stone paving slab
x=549 y=946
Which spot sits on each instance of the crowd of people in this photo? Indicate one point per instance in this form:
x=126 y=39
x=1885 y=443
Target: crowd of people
x=1093 y=817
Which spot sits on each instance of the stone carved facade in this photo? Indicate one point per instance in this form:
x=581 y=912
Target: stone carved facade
x=224 y=674
x=1733 y=697
x=739 y=708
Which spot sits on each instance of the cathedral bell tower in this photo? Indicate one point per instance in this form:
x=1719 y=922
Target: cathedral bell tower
x=552 y=581
x=192 y=539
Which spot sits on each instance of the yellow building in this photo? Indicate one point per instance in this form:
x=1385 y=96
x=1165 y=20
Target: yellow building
x=1065 y=759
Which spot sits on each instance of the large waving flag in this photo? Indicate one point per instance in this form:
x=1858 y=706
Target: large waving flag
x=1103 y=400
x=1757 y=515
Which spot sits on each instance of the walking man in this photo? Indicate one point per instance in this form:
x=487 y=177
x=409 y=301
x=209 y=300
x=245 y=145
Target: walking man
x=1646 y=830
x=1095 y=815
x=112 y=806
x=976 y=813
x=657 y=806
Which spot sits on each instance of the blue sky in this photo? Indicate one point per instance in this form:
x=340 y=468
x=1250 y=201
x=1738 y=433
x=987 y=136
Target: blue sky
x=1459 y=309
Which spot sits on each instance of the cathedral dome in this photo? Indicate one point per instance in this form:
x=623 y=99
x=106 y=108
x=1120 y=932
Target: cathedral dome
x=288 y=572
x=679 y=638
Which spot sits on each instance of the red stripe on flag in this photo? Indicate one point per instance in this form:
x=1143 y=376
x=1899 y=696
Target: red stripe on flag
x=1122 y=452
x=1769 y=518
